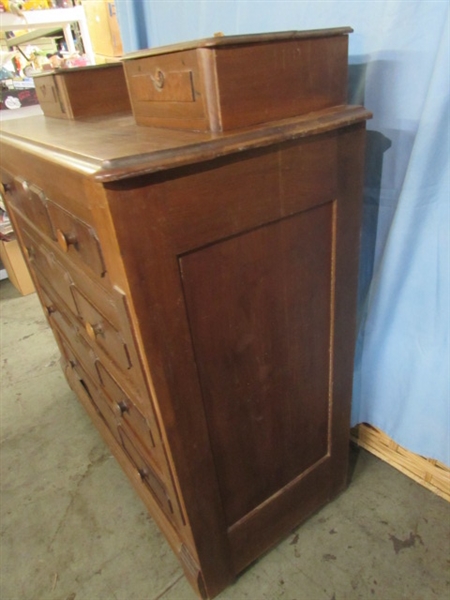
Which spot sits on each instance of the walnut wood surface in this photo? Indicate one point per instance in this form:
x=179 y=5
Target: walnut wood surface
x=116 y=148
x=83 y=92
x=227 y=86
x=204 y=305
x=241 y=40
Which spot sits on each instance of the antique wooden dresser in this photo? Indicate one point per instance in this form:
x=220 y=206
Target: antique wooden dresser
x=201 y=287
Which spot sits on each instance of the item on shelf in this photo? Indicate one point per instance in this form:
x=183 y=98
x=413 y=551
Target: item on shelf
x=12 y=98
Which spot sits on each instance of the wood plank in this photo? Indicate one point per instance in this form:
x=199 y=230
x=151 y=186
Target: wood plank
x=429 y=473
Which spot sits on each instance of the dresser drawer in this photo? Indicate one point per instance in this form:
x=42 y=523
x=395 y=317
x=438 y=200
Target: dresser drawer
x=76 y=373
x=77 y=239
x=165 y=90
x=99 y=401
x=152 y=84
x=147 y=475
x=81 y=361
x=31 y=202
x=142 y=430
x=48 y=269
x=102 y=318
x=76 y=349
x=101 y=332
x=39 y=216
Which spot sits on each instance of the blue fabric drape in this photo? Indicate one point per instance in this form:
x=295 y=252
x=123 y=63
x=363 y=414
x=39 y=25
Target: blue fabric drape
x=399 y=69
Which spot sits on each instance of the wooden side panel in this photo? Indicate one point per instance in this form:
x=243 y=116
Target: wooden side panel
x=274 y=81
x=97 y=92
x=243 y=274
x=265 y=371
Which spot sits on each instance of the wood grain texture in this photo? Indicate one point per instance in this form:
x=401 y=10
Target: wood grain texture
x=109 y=149
x=242 y=265
x=202 y=290
x=83 y=92
x=264 y=373
x=230 y=40
x=248 y=81
x=295 y=77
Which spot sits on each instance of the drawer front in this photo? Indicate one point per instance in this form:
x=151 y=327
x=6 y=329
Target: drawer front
x=147 y=475
x=77 y=239
x=163 y=86
x=101 y=332
x=141 y=429
x=82 y=365
x=60 y=274
x=48 y=269
x=102 y=316
x=168 y=90
x=49 y=96
x=73 y=237
x=31 y=202
x=89 y=389
x=80 y=352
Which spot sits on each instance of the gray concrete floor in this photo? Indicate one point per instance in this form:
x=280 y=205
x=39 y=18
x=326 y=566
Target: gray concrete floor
x=73 y=528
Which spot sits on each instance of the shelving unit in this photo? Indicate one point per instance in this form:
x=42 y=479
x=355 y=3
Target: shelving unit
x=39 y=23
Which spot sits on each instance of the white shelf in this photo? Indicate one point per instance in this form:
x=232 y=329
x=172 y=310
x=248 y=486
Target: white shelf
x=39 y=21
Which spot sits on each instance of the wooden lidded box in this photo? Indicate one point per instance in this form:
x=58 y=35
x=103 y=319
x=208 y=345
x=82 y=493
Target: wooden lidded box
x=83 y=91
x=223 y=83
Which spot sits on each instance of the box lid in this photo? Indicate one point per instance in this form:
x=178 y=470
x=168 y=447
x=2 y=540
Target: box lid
x=66 y=70
x=235 y=40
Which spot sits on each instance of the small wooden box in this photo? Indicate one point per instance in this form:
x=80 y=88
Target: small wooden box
x=83 y=91
x=229 y=82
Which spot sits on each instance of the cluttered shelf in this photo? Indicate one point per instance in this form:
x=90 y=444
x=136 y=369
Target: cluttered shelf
x=32 y=40
x=36 y=23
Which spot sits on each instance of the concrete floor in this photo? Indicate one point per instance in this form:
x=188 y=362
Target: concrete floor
x=73 y=528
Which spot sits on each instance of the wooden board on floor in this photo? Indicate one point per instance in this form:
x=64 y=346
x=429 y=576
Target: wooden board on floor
x=430 y=473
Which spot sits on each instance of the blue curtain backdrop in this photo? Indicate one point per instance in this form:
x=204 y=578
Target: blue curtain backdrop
x=399 y=69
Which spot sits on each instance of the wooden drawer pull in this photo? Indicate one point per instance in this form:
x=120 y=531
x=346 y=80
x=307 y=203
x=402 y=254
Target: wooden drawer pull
x=30 y=252
x=65 y=240
x=50 y=309
x=5 y=187
x=122 y=407
x=158 y=80
x=93 y=330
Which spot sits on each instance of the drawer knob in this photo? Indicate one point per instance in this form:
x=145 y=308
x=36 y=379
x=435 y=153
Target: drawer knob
x=50 y=309
x=65 y=240
x=158 y=80
x=93 y=330
x=4 y=187
x=30 y=252
x=143 y=473
x=122 y=407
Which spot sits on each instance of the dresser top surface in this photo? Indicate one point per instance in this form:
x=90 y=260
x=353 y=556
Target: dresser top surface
x=112 y=148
